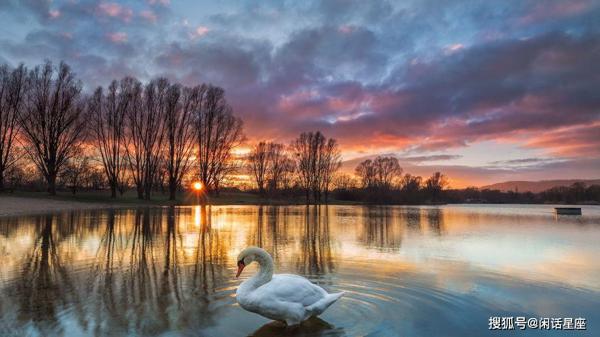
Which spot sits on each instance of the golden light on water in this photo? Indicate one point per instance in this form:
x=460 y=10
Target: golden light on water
x=197 y=216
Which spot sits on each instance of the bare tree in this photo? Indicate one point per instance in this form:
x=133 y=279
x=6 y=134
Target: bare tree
x=219 y=131
x=344 y=181
x=280 y=165
x=387 y=169
x=410 y=187
x=366 y=173
x=435 y=184
x=107 y=114
x=317 y=159
x=305 y=153
x=329 y=162
x=145 y=133
x=181 y=105
x=259 y=164
x=410 y=183
x=12 y=91
x=135 y=131
x=76 y=172
x=379 y=173
x=287 y=172
x=52 y=123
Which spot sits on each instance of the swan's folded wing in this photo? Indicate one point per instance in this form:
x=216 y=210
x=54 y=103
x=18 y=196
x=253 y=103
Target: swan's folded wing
x=292 y=288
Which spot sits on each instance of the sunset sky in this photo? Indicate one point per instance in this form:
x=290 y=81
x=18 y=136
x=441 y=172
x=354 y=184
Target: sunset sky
x=485 y=91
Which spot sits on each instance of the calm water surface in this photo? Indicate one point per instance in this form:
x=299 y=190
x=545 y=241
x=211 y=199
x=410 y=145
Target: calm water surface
x=407 y=271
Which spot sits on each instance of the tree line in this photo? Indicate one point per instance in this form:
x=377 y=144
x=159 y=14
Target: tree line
x=160 y=136
x=382 y=180
x=139 y=135
x=308 y=165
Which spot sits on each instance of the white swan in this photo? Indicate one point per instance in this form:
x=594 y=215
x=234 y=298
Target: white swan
x=282 y=297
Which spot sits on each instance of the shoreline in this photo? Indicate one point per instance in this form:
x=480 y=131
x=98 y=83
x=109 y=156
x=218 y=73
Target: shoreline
x=18 y=205
x=39 y=203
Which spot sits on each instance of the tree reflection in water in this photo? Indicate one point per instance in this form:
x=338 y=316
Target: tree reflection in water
x=44 y=284
x=381 y=229
x=315 y=256
x=137 y=280
x=412 y=217
x=270 y=231
x=435 y=220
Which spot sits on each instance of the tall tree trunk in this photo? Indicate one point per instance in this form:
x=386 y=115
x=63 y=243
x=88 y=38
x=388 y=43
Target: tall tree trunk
x=147 y=191
x=52 y=183
x=140 y=192
x=172 y=189
x=1 y=181
x=113 y=190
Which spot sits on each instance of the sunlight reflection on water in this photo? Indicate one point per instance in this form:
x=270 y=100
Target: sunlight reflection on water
x=410 y=271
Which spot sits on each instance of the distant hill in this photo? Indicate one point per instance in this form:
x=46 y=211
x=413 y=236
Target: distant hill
x=537 y=186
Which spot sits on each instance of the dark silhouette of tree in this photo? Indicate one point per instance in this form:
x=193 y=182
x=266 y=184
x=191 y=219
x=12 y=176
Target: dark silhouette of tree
x=280 y=167
x=13 y=84
x=259 y=164
x=435 y=184
x=387 y=169
x=52 y=123
x=344 y=182
x=108 y=112
x=219 y=131
x=379 y=173
x=366 y=173
x=317 y=160
x=75 y=172
x=270 y=166
x=410 y=183
x=329 y=162
x=181 y=104
x=410 y=186
x=146 y=133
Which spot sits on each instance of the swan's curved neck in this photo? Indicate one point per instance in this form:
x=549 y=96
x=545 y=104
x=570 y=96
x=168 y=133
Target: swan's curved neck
x=265 y=273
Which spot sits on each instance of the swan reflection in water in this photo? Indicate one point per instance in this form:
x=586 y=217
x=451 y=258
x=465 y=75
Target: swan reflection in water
x=314 y=326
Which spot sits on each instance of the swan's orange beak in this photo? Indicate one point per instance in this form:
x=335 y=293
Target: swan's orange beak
x=241 y=266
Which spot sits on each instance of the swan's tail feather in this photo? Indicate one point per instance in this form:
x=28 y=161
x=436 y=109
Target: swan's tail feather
x=320 y=306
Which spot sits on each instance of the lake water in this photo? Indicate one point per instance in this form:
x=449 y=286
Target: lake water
x=406 y=271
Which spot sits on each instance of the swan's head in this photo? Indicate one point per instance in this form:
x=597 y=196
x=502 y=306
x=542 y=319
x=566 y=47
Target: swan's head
x=250 y=255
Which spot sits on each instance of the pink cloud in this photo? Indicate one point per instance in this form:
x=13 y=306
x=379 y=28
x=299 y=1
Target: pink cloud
x=575 y=141
x=54 y=13
x=346 y=29
x=149 y=15
x=453 y=48
x=200 y=31
x=115 y=10
x=117 y=37
x=546 y=10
